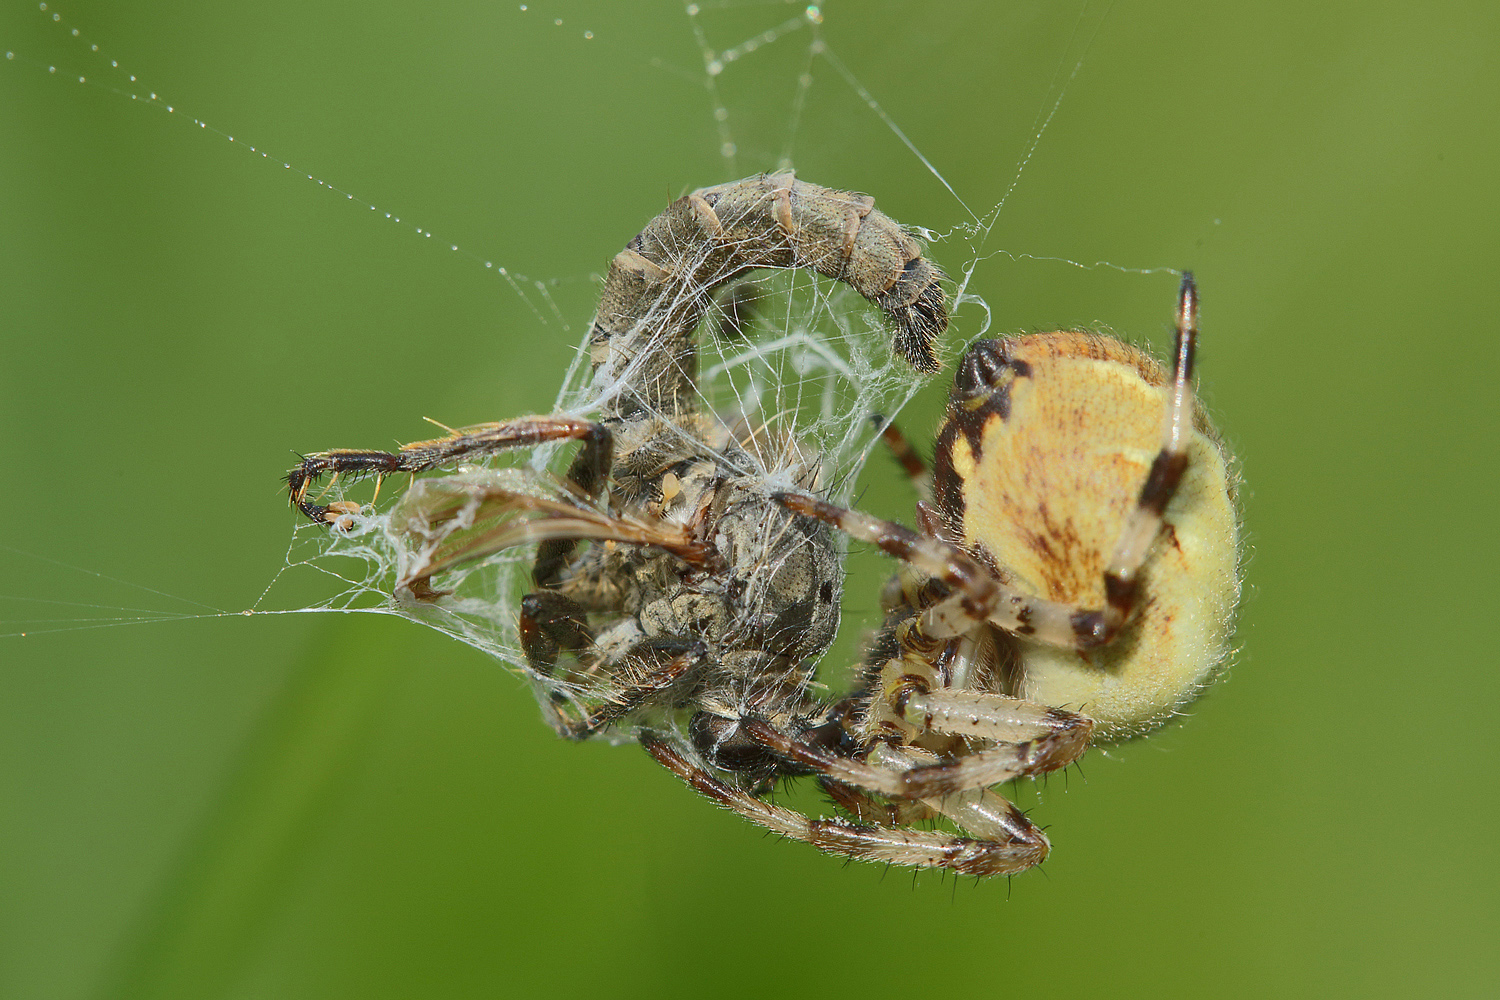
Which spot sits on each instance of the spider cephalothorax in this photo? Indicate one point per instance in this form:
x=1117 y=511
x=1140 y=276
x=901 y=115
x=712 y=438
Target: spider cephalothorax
x=1074 y=577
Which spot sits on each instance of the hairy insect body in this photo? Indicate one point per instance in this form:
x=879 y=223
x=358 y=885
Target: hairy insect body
x=747 y=624
x=1038 y=473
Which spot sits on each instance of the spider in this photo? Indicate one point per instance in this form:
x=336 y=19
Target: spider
x=1063 y=586
x=1073 y=582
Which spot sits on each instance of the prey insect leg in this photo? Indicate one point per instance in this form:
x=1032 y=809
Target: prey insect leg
x=484 y=439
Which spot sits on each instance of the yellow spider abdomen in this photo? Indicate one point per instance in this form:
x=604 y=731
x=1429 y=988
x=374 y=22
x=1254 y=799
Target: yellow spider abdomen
x=1050 y=469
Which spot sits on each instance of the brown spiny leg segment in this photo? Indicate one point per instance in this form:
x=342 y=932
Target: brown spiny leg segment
x=975 y=809
x=1030 y=739
x=867 y=807
x=1034 y=739
x=813 y=756
x=862 y=841
x=1121 y=577
x=588 y=471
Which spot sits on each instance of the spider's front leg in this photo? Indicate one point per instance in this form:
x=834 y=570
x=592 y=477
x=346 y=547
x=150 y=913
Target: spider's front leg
x=1121 y=576
x=976 y=597
x=587 y=473
x=1028 y=739
x=903 y=784
x=901 y=449
x=1012 y=433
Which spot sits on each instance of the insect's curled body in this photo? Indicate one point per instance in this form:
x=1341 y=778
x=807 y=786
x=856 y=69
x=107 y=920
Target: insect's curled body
x=660 y=286
x=768 y=607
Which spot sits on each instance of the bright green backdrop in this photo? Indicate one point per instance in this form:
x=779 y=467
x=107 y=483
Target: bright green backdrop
x=354 y=807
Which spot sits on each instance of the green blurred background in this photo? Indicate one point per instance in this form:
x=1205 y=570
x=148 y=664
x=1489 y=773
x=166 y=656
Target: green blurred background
x=313 y=806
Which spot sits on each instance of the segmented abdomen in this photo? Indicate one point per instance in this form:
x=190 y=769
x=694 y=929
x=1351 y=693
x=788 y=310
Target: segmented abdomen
x=662 y=283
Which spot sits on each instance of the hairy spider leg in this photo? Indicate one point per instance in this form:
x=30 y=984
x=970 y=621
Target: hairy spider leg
x=1121 y=577
x=1032 y=738
x=905 y=454
x=977 y=595
x=1027 y=739
x=664 y=662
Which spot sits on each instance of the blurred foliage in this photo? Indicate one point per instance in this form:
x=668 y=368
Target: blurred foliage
x=313 y=807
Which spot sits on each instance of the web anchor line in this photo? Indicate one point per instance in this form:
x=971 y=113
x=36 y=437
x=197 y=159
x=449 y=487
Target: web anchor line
x=128 y=88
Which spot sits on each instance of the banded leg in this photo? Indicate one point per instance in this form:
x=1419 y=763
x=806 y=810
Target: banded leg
x=588 y=472
x=1121 y=577
x=862 y=841
x=867 y=807
x=905 y=455
x=822 y=760
x=977 y=596
x=977 y=810
x=1031 y=739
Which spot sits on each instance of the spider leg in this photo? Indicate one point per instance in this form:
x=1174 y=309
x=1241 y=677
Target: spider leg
x=869 y=808
x=588 y=471
x=1034 y=739
x=905 y=455
x=977 y=595
x=821 y=759
x=906 y=775
x=977 y=810
x=1031 y=739
x=862 y=841
x=1145 y=521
